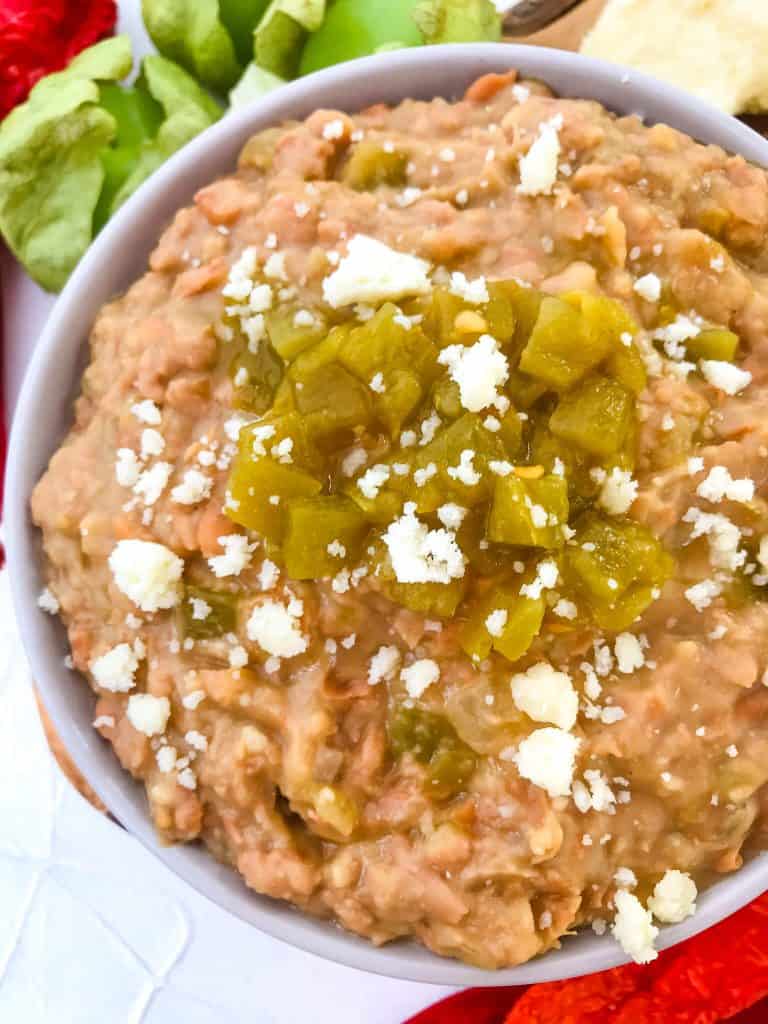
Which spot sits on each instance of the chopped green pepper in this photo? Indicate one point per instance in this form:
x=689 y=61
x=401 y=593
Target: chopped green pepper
x=331 y=400
x=529 y=512
x=207 y=613
x=617 y=566
x=322 y=535
x=371 y=164
x=515 y=625
x=713 y=343
x=432 y=741
x=560 y=350
x=289 y=338
x=259 y=489
x=596 y=416
x=255 y=378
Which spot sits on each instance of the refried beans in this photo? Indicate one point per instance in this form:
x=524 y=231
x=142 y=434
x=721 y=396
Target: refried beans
x=412 y=529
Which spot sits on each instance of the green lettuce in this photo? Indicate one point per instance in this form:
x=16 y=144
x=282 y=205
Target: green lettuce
x=190 y=33
x=240 y=18
x=458 y=21
x=355 y=28
x=187 y=108
x=280 y=35
x=82 y=143
x=50 y=169
x=255 y=83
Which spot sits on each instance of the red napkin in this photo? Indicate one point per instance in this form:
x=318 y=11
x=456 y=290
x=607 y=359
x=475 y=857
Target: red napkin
x=721 y=974
x=39 y=36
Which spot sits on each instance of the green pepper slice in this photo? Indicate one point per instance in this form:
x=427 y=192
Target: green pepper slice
x=220 y=618
x=322 y=535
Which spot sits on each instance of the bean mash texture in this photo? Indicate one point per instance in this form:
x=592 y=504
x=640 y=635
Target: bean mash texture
x=411 y=529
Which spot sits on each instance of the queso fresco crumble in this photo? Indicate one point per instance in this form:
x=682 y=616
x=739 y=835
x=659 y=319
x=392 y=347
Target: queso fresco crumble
x=412 y=530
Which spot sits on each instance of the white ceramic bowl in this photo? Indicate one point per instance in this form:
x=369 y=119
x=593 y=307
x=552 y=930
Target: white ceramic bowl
x=43 y=415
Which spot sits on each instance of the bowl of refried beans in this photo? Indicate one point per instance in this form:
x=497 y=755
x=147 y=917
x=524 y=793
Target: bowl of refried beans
x=387 y=515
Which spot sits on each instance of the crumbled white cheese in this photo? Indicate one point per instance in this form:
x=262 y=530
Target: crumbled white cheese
x=272 y=626
x=383 y=664
x=538 y=168
x=187 y=778
x=48 y=602
x=648 y=287
x=496 y=621
x=618 y=492
x=116 y=669
x=376 y=383
x=152 y=482
x=191 y=700
x=421 y=555
x=629 y=653
x=196 y=739
x=373 y=272
x=425 y=473
x=148 y=714
x=565 y=609
x=719 y=484
x=371 y=482
x=601 y=795
x=146 y=412
x=194 y=488
x=723 y=537
x=725 y=376
x=478 y=369
x=353 y=460
x=152 y=442
x=268 y=574
x=547 y=759
x=336 y=549
x=166 y=759
x=465 y=471
x=408 y=197
x=237 y=555
x=452 y=516
x=475 y=292
x=625 y=878
x=546 y=695
x=237 y=656
x=147 y=573
x=701 y=595
x=127 y=467
x=419 y=676
x=200 y=609
x=547 y=575
x=674 y=335
x=429 y=428
x=633 y=928
x=674 y=897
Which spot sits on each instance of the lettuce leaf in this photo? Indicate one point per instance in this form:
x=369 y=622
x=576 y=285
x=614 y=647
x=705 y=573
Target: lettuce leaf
x=255 y=83
x=50 y=170
x=458 y=21
x=190 y=33
x=188 y=110
x=355 y=28
x=280 y=35
x=240 y=18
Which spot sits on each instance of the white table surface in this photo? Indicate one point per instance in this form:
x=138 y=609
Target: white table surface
x=95 y=930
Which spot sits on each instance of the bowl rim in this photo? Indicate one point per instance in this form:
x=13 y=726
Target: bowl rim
x=43 y=413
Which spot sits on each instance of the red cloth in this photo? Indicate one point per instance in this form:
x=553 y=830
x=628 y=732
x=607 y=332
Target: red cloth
x=39 y=36
x=721 y=974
